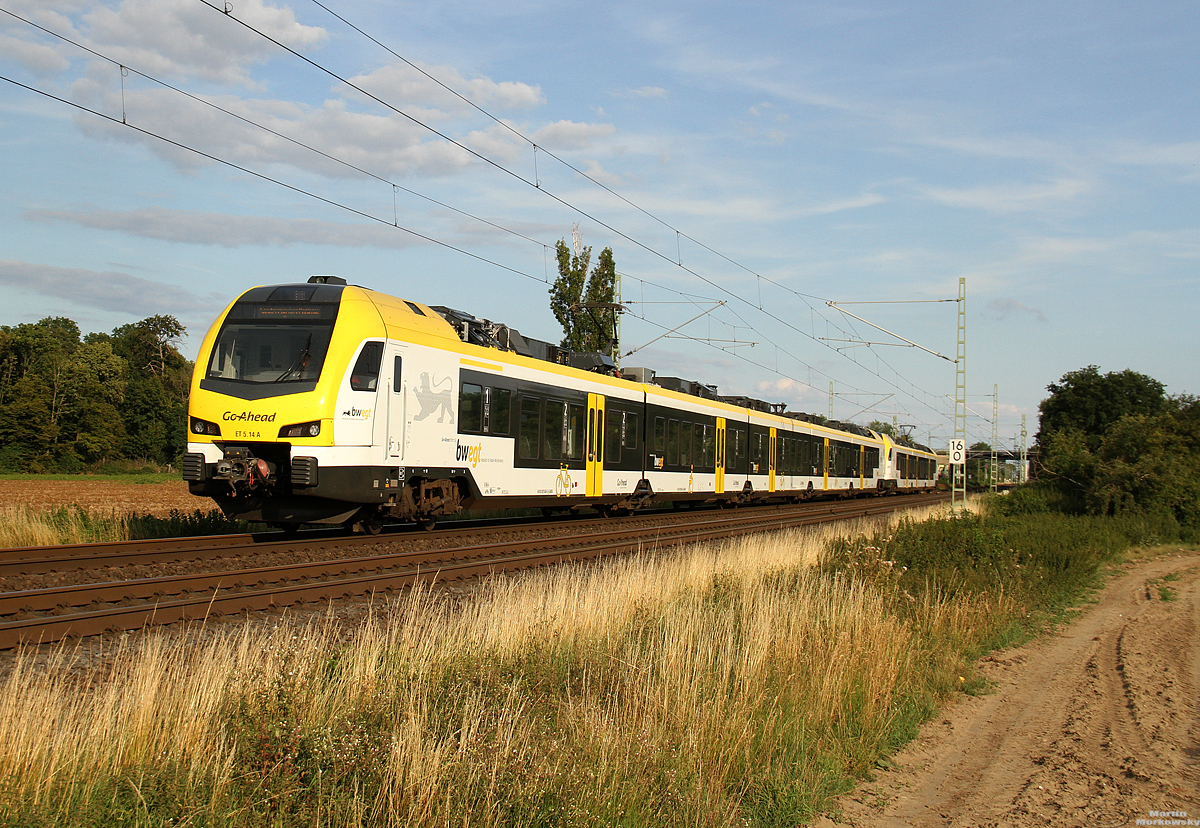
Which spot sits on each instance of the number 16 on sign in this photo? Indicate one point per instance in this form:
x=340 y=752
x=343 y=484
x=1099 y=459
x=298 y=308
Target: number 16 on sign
x=958 y=452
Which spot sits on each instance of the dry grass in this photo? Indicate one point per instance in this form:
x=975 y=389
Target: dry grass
x=24 y=526
x=731 y=685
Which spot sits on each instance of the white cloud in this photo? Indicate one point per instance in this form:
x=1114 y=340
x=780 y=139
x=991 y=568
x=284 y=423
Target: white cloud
x=401 y=84
x=1011 y=198
x=190 y=227
x=187 y=38
x=107 y=290
x=594 y=169
x=37 y=58
x=568 y=135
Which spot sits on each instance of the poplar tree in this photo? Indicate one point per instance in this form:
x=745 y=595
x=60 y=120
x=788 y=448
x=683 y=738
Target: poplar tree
x=584 y=329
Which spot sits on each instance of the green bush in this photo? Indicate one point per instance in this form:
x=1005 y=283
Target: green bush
x=181 y=525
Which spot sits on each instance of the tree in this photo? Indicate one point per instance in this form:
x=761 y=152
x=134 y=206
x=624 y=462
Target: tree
x=1116 y=444
x=881 y=427
x=155 y=410
x=66 y=403
x=58 y=396
x=979 y=466
x=584 y=329
x=1090 y=402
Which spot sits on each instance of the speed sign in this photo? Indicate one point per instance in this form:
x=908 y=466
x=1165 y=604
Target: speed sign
x=958 y=452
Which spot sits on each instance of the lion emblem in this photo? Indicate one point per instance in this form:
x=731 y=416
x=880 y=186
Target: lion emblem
x=431 y=400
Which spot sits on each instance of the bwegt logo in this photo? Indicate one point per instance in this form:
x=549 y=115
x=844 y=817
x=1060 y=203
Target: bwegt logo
x=247 y=417
x=469 y=454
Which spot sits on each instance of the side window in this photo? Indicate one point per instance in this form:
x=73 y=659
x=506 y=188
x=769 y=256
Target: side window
x=531 y=422
x=499 y=417
x=612 y=436
x=710 y=446
x=365 y=376
x=633 y=424
x=470 y=408
x=396 y=384
x=552 y=434
x=673 y=443
x=575 y=430
x=685 y=444
x=660 y=435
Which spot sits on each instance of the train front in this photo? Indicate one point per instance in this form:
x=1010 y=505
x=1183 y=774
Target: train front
x=263 y=396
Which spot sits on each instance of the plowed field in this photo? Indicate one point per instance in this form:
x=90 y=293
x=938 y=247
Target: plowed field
x=104 y=497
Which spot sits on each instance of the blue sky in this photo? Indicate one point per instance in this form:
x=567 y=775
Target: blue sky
x=776 y=156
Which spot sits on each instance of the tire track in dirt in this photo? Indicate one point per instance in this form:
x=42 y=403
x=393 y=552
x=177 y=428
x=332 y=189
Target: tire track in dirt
x=1097 y=726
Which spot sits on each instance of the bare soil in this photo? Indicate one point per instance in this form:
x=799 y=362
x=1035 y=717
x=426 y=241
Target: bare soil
x=104 y=497
x=1098 y=725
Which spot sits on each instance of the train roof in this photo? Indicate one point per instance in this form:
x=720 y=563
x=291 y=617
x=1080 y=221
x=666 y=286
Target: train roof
x=439 y=326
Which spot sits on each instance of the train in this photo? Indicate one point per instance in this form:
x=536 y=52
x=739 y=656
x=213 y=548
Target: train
x=324 y=402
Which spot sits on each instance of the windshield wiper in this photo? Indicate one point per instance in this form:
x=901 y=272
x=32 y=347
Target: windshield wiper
x=299 y=365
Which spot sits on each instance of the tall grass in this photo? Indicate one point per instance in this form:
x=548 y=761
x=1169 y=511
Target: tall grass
x=23 y=526
x=741 y=684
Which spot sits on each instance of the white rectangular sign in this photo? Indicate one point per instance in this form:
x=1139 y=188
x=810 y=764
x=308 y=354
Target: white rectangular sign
x=958 y=452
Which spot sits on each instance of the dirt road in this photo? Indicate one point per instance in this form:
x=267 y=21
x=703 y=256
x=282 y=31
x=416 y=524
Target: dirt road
x=1096 y=726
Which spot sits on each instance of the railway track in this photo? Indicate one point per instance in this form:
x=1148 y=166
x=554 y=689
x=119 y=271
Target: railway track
x=213 y=579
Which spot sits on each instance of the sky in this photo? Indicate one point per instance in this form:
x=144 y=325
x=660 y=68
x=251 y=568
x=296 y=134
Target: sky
x=162 y=156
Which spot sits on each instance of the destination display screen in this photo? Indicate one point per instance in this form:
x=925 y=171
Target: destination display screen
x=282 y=312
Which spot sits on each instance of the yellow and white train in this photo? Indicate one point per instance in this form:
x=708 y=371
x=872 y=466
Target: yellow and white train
x=330 y=403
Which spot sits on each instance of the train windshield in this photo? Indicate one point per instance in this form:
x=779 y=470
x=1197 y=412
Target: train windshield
x=264 y=343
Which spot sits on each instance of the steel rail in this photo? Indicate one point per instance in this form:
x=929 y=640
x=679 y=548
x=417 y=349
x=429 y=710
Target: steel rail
x=155 y=601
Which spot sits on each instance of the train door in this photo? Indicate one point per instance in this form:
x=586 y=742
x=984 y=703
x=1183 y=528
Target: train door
x=595 y=445
x=397 y=411
x=720 y=484
x=772 y=463
x=825 y=463
x=862 y=467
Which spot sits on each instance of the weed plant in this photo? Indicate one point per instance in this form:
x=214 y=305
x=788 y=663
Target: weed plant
x=22 y=526
x=741 y=684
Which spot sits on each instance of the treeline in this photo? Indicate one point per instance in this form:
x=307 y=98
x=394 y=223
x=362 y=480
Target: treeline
x=1117 y=444
x=70 y=403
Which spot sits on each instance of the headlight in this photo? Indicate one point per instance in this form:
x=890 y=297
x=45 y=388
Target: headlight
x=301 y=430
x=205 y=427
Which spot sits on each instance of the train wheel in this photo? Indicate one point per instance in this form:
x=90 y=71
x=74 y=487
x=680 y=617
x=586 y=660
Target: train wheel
x=427 y=522
x=372 y=526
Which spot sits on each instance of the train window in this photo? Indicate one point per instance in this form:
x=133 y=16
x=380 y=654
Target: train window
x=365 y=375
x=397 y=386
x=531 y=421
x=710 y=446
x=612 y=436
x=470 y=408
x=574 y=432
x=685 y=444
x=414 y=308
x=552 y=435
x=872 y=460
x=739 y=444
x=633 y=423
x=499 y=418
x=660 y=434
x=267 y=344
x=673 y=443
